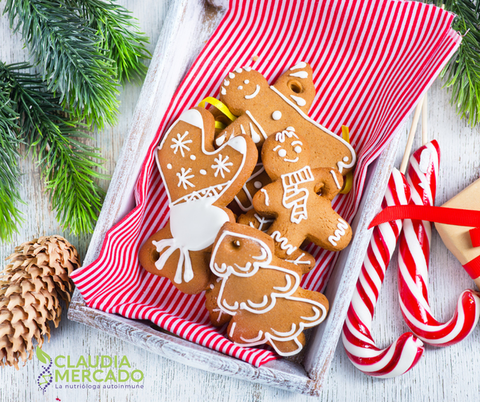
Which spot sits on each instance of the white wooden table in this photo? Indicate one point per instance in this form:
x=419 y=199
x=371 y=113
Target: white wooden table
x=446 y=374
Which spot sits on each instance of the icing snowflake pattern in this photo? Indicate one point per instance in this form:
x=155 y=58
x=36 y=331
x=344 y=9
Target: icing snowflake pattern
x=180 y=143
x=221 y=166
x=183 y=178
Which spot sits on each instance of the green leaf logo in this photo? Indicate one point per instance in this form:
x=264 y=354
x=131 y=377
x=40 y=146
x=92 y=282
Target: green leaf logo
x=42 y=356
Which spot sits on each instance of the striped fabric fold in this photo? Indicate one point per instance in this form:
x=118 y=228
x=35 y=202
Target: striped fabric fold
x=372 y=60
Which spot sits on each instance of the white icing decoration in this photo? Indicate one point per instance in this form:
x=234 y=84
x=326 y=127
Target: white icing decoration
x=212 y=286
x=180 y=143
x=282 y=135
x=278 y=146
x=258 y=184
x=286 y=287
x=221 y=165
x=247 y=68
x=298 y=149
x=267 y=200
x=238 y=70
x=290 y=128
x=294 y=195
x=169 y=166
x=234 y=307
x=335 y=179
x=257 y=338
x=277 y=115
x=232 y=329
x=340 y=164
x=282 y=153
x=346 y=158
x=286 y=334
x=220 y=140
x=315 y=317
x=341 y=227
x=264 y=302
x=261 y=222
x=184 y=178
x=256 y=123
x=299 y=260
x=242 y=129
x=300 y=101
x=240 y=87
x=246 y=81
x=300 y=74
x=193 y=157
x=231 y=75
x=255 y=93
x=226 y=83
x=203 y=172
x=223 y=91
x=284 y=245
x=301 y=64
x=247 y=192
x=255 y=136
x=291 y=160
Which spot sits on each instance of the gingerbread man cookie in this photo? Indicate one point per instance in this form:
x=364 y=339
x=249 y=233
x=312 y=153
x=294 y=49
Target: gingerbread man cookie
x=299 y=197
x=264 y=110
x=260 y=293
x=200 y=181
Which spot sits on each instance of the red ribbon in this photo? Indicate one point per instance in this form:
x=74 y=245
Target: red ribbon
x=449 y=216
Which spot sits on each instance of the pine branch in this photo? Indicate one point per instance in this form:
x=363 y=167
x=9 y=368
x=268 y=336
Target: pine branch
x=67 y=165
x=67 y=51
x=120 y=36
x=10 y=216
x=462 y=73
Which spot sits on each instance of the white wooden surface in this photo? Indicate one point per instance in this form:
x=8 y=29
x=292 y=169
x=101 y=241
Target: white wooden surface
x=443 y=374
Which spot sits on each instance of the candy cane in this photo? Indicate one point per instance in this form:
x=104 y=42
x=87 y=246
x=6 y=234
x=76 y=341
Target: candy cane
x=413 y=261
x=357 y=339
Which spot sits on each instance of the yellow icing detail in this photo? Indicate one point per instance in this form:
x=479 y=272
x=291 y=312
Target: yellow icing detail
x=348 y=183
x=219 y=105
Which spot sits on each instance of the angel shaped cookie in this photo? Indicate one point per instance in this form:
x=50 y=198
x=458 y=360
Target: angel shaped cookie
x=200 y=181
x=299 y=199
x=259 y=293
x=267 y=109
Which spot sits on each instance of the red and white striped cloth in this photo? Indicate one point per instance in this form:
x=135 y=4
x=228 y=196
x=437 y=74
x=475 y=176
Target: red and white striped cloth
x=372 y=60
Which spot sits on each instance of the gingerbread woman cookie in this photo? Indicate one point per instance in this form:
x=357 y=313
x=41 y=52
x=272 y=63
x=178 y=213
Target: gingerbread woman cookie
x=200 y=181
x=264 y=110
x=259 y=293
x=299 y=198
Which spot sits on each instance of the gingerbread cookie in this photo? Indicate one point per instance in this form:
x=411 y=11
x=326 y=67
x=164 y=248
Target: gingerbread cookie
x=299 y=199
x=200 y=181
x=264 y=110
x=261 y=293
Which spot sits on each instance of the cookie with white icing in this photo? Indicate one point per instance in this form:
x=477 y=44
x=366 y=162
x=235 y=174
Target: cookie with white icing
x=299 y=199
x=259 y=293
x=200 y=182
x=265 y=109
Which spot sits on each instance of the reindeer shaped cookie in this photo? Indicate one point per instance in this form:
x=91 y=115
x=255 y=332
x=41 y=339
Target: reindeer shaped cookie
x=259 y=293
x=200 y=181
x=264 y=110
x=299 y=197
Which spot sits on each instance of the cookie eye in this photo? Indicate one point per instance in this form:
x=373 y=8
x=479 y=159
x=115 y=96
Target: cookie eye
x=282 y=153
x=246 y=81
x=240 y=87
x=236 y=244
x=298 y=149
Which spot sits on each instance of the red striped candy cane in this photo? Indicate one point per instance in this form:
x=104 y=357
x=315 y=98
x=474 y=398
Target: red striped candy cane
x=413 y=262
x=357 y=339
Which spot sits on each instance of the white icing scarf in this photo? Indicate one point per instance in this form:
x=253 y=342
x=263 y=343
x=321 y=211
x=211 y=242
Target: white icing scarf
x=295 y=197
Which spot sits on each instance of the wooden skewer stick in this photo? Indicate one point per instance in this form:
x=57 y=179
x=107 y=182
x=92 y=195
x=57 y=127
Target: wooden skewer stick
x=424 y=120
x=413 y=129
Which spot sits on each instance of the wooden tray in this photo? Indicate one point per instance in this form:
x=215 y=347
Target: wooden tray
x=188 y=25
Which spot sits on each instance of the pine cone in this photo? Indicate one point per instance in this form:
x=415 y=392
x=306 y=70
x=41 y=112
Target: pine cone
x=32 y=283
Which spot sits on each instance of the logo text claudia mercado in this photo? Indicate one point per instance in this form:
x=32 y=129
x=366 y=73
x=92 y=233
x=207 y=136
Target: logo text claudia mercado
x=95 y=369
